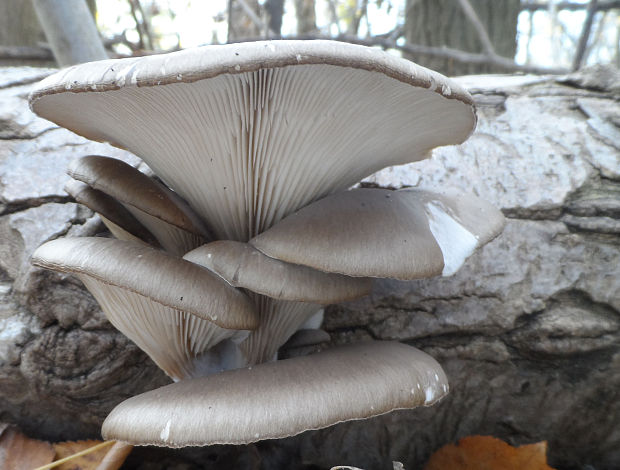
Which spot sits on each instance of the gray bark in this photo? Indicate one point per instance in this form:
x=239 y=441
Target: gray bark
x=443 y=23
x=275 y=11
x=306 y=16
x=528 y=331
x=70 y=30
x=19 y=26
x=241 y=25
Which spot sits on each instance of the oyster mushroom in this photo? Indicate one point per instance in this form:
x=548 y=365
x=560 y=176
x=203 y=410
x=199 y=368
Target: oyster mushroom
x=256 y=137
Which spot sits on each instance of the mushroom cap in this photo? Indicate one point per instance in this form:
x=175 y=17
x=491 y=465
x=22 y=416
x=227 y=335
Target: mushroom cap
x=250 y=132
x=130 y=186
x=307 y=337
x=460 y=223
x=406 y=234
x=165 y=279
x=244 y=266
x=281 y=398
x=115 y=216
x=362 y=232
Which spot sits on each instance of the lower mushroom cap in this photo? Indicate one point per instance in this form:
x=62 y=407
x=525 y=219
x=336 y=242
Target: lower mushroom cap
x=282 y=398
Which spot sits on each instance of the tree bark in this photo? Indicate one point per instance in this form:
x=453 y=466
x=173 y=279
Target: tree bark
x=306 y=16
x=19 y=26
x=443 y=23
x=70 y=30
x=528 y=331
x=275 y=12
x=241 y=25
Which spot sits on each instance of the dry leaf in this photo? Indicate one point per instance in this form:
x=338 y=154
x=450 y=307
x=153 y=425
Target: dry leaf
x=489 y=453
x=105 y=458
x=115 y=456
x=18 y=452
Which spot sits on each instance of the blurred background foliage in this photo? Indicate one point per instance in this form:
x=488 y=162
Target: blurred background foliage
x=453 y=36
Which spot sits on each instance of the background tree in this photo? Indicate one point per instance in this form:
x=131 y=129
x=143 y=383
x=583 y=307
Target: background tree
x=447 y=23
x=306 y=16
x=19 y=28
x=244 y=20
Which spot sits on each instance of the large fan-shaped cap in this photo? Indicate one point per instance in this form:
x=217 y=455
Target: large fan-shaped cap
x=242 y=265
x=281 y=398
x=248 y=133
x=405 y=234
x=165 y=279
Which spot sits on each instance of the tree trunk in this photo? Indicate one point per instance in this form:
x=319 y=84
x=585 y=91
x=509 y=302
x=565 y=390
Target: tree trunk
x=306 y=16
x=443 y=23
x=70 y=30
x=528 y=331
x=19 y=26
x=241 y=26
x=275 y=11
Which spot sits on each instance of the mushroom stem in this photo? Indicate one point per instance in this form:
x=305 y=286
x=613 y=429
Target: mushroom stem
x=279 y=319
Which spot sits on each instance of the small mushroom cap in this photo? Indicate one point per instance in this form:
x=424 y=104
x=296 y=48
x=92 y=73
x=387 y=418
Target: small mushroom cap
x=307 y=337
x=460 y=223
x=282 y=398
x=406 y=234
x=130 y=186
x=244 y=266
x=115 y=216
x=165 y=279
x=362 y=232
x=247 y=133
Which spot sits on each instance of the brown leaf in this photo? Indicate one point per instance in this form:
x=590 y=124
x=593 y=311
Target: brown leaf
x=18 y=452
x=109 y=457
x=489 y=453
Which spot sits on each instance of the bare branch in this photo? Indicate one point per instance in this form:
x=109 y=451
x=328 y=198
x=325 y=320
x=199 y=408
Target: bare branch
x=146 y=29
x=602 y=6
x=442 y=52
x=473 y=18
x=26 y=53
x=585 y=35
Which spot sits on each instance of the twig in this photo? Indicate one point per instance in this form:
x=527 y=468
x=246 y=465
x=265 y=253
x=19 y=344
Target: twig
x=334 y=15
x=473 y=18
x=585 y=35
x=26 y=53
x=144 y=35
x=596 y=36
x=602 y=6
x=73 y=456
x=442 y=52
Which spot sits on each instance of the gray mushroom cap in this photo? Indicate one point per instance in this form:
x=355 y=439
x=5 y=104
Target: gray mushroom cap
x=362 y=232
x=248 y=133
x=121 y=223
x=244 y=266
x=406 y=234
x=165 y=279
x=130 y=186
x=169 y=218
x=282 y=398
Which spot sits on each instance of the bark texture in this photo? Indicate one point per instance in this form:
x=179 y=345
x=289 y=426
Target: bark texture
x=528 y=331
x=241 y=25
x=443 y=23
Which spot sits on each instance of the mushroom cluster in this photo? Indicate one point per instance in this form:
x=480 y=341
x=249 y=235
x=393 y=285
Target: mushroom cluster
x=250 y=226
